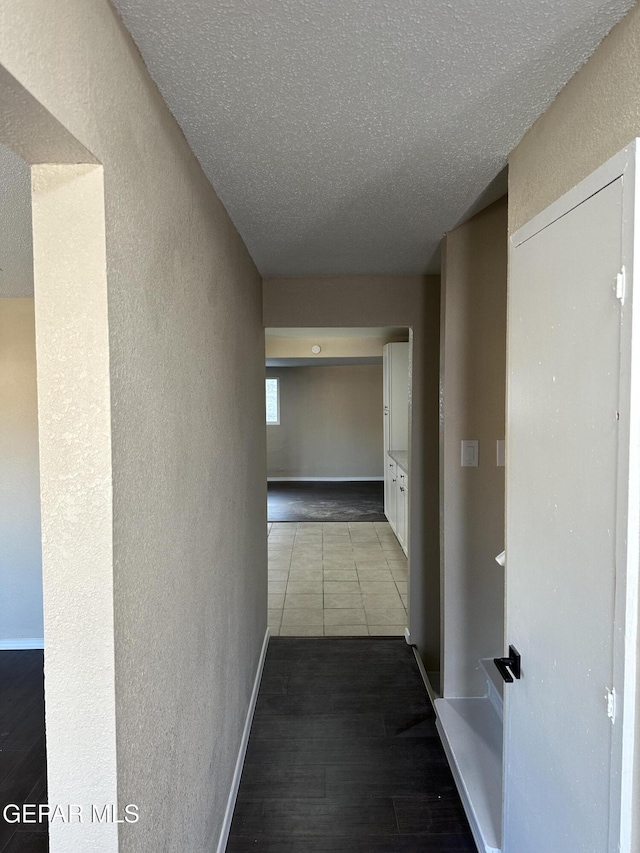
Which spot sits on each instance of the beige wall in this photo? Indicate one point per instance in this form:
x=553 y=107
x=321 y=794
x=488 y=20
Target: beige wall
x=330 y=422
x=375 y=301
x=186 y=354
x=474 y=311
x=21 y=551
x=332 y=347
x=594 y=116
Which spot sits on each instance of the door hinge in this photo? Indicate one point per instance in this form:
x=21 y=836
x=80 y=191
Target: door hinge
x=610 y=696
x=621 y=285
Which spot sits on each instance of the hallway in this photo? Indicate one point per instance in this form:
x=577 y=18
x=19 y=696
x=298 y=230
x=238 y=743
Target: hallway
x=199 y=198
x=344 y=756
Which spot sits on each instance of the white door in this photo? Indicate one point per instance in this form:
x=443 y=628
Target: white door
x=562 y=753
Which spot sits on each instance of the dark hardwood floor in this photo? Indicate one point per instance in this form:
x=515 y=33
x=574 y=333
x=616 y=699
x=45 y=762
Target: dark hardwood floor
x=332 y=501
x=22 y=747
x=344 y=756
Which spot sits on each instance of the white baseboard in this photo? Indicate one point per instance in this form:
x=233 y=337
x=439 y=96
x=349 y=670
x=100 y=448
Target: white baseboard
x=325 y=479
x=22 y=643
x=235 y=784
x=425 y=677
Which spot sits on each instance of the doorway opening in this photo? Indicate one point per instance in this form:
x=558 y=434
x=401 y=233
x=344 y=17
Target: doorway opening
x=337 y=534
x=22 y=738
x=69 y=367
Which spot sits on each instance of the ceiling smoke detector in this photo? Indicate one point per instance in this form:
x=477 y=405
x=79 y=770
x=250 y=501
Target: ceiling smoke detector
x=315 y=349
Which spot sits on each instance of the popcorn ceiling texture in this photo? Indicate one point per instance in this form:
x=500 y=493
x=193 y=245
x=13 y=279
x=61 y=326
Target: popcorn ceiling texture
x=186 y=373
x=347 y=137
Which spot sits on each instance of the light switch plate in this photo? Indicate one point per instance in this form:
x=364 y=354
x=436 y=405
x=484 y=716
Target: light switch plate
x=468 y=453
x=500 y=453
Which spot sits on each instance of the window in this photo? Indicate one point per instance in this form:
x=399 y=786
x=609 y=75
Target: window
x=273 y=400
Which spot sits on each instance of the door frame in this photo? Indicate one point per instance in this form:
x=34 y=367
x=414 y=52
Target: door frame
x=411 y=389
x=623 y=165
x=75 y=456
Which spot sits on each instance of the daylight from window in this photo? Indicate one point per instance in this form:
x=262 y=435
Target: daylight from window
x=273 y=401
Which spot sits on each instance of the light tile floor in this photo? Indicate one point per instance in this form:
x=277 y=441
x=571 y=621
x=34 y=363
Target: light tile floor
x=336 y=579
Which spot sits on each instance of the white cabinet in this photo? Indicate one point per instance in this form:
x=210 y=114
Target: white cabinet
x=395 y=372
x=396 y=501
x=402 y=514
x=395 y=378
x=390 y=491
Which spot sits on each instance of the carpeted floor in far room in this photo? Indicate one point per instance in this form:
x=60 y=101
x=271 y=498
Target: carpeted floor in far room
x=325 y=501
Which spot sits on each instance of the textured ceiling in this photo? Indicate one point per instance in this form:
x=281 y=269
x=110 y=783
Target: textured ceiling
x=346 y=136
x=16 y=253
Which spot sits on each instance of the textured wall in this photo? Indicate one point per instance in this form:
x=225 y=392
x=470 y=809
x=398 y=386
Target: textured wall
x=374 y=301
x=186 y=370
x=347 y=346
x=21 y=552
x=594 y=116
x=74 y=423
x=474 y=300
x=330 y=422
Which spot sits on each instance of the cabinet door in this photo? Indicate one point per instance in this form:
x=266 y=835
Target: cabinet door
x=399 y=396
x=385 y=401
x=390 y=494
x=405 y=511
x=401 y=508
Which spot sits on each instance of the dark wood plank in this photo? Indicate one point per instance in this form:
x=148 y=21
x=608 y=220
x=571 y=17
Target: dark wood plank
x=371 y=844
x=350 y=680
x=391 y=780
x=430 y=813
x=369 y=751
x=25 y=777
x=264 y=782
x=21 y=664
x=318 y=726
x=25 y=727
x=27 y=841
x=391 y=703
x=349 y=817
x=284 y=704
x=273 y=685
x=22 y=745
